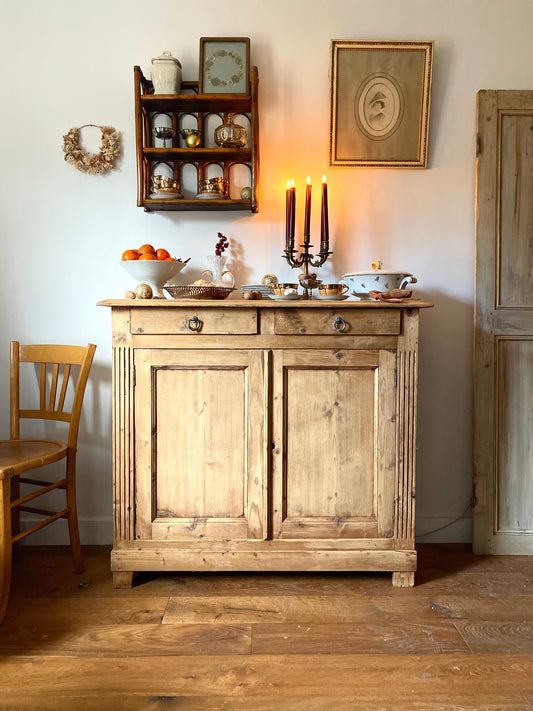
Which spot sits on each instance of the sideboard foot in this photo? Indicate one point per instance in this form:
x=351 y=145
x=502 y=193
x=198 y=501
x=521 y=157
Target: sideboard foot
x=123 y=579
x=402 y=579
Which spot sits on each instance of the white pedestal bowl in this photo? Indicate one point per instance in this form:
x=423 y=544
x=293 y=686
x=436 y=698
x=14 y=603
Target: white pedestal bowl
x=154 y=272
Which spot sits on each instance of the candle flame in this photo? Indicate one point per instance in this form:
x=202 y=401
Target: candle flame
x=292 y=183
x=323 y=178
x=308 y=180
x=288 y=184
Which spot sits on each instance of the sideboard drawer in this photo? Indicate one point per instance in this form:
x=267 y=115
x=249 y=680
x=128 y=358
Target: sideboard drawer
x=194 y=321
x=325 y=322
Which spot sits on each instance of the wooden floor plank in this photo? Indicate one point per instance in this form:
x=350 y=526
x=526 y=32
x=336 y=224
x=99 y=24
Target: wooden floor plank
x=84 y=609
x=309 y=609
x=364 y=638
x=488 y=637
x=124 y=640
x=268 y=702
x=496 y=677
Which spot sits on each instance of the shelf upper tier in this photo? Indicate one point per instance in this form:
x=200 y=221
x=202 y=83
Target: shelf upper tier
x=216 y=103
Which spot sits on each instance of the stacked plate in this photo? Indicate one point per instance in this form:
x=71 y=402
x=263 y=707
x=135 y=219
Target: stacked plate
x=266 y=291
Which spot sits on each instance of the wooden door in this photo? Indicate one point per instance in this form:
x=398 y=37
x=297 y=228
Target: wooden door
x=503 y=353
x=334 y=443
x=200 y=444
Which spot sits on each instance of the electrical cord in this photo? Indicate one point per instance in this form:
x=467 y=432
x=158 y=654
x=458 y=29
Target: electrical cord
x=446 y=525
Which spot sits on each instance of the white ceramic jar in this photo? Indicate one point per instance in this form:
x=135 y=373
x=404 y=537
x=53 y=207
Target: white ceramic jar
x=166 y=74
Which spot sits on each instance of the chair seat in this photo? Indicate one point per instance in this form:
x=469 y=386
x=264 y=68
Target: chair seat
x=21 y=455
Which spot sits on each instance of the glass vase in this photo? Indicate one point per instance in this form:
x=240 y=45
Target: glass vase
x=216 y=270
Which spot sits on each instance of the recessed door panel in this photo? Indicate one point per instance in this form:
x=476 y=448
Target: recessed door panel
x=326 y=475
x=200 y=445
x=334 y=432
x=515 y=266
x=199 y=462
x=514 y=512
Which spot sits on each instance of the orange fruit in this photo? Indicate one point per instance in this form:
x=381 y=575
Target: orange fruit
x=162 y=254
x=170 y=259
x=130 y=254
x=147 y=255
x=146 y=249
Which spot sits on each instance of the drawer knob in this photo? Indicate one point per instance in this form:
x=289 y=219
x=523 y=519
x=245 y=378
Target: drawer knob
x=194 y=324
x=339 y=324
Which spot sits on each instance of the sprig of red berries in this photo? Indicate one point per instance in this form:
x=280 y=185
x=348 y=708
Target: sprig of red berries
x=221 y=245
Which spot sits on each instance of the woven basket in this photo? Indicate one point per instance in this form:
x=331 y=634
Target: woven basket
x=199 y=292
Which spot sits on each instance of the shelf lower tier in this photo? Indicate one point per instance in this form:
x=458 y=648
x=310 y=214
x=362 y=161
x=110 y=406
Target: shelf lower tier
x=201 y=205
x=199 y=155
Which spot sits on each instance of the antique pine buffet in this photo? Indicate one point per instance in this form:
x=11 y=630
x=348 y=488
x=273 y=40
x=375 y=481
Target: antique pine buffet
x=264 y=435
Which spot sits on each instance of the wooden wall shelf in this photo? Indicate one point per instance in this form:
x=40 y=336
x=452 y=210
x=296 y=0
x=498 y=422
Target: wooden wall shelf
x=200 y=106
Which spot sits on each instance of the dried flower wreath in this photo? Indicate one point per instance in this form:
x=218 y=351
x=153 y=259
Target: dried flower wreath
x=92 y=163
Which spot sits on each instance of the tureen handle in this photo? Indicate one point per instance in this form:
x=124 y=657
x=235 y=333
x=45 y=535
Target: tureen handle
x=407 y=279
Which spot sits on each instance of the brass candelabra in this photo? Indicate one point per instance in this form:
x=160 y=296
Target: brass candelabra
x=305 y=259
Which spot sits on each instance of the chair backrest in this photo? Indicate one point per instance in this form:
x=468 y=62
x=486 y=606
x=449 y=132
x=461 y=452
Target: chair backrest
x=55 y=364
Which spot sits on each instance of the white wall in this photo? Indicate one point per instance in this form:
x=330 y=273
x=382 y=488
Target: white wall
x=62 y=232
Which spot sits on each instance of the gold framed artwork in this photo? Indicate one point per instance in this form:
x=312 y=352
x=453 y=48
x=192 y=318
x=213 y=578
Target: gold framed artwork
x=224 y=65
x=379 y=103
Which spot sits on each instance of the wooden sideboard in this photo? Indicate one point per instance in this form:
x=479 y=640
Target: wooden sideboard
x=264 y=436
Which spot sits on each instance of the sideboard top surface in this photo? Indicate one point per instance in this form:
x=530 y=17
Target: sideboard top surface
x=263 y=304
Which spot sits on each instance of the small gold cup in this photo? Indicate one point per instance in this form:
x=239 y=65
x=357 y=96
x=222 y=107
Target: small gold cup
x=280 y=289
x=161 y=183
x=333 y=289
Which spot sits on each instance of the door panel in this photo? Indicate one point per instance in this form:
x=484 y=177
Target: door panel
x=201 y=425
x=334 y=434
x=515 y=272
x=200 y=445
x=330 y=424
x=503 y=343
x=514 y=512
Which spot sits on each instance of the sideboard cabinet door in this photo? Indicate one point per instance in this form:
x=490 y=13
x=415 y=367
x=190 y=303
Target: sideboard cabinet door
x=200 y=444
x=335 y=443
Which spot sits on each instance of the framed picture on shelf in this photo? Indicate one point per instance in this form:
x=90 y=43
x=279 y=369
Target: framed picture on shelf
x=224 y=65
x=379 y=103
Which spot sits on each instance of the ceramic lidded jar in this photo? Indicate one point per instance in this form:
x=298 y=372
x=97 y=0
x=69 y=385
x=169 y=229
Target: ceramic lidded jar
x=166 y=74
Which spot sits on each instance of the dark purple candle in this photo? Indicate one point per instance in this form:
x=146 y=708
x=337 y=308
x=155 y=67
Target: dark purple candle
x=293 y=212
x=287 y=214
x=307 y=220
x=324 y=217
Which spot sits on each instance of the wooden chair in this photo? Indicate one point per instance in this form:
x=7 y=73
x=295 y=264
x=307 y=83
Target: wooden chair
x=17 y=456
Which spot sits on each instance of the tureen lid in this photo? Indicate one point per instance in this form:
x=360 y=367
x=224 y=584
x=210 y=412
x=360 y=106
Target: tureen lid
x=377 y=268
x=166 y=56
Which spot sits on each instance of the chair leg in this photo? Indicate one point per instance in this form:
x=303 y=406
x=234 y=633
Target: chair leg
x=73 y=530
x=15 y=516
x=5 y=546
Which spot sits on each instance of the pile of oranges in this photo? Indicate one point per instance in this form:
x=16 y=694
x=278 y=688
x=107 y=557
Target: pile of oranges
x=146 y=251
